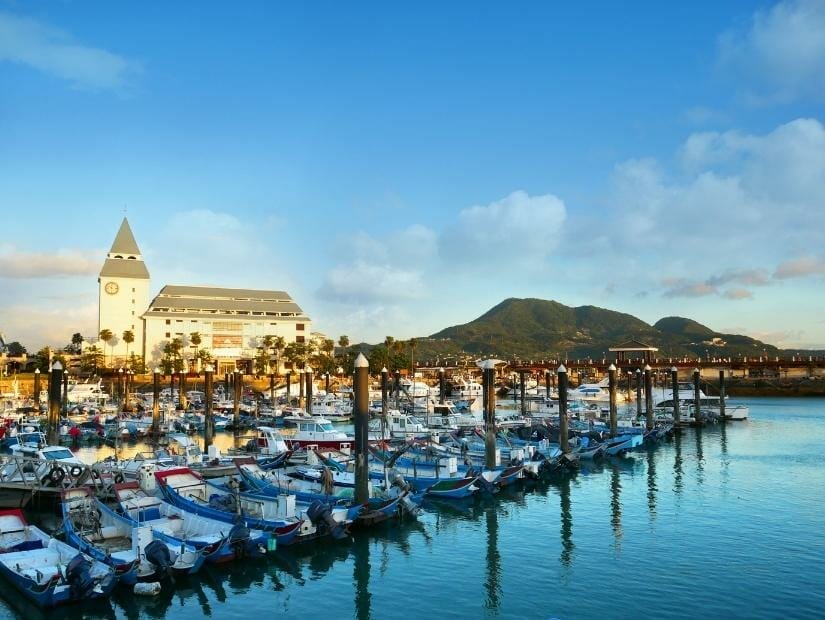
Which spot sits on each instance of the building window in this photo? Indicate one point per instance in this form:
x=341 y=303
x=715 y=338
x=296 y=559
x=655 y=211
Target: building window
x=133 y=313
x=299 y=327
x=299 y=338
x=133 y=302
x=168 y=334
x=167 y=321
x=133 y=290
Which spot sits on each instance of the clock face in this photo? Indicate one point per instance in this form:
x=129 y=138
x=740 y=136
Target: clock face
x=112 y=288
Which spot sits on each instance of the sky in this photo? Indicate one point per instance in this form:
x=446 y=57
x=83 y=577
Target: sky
x=399 y=168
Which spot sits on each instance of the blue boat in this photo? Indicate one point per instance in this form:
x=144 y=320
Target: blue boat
x=623 y=443
x=135 y=553
x=46 y=571
x=218 y=541
x=189 y=491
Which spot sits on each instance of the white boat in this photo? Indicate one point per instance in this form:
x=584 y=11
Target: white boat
x=707 y=404
x=87 y=391
x=398 y=425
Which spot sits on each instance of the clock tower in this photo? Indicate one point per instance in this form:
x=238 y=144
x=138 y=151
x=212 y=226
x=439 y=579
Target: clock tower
x=123 y=296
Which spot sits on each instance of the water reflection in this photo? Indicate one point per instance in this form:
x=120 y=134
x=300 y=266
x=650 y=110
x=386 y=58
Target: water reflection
x=616 y=505
x=700 y=458
x=651 y=484
x=567 y=545
x=677 y=463
x=361 y=577
x=492 y=584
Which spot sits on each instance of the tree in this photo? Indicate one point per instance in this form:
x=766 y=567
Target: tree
x=296 y=354
x=15 y=349
x=412 y=356
x=91 y=360
x=195 y=340
x=171 y=360
x=267 y=343
x=105 y=335
x=262 y=361
x=136 y=364
x=128 y=338
x=343 y=342
x=41 y=359
x=279 y=344
x=77 y=342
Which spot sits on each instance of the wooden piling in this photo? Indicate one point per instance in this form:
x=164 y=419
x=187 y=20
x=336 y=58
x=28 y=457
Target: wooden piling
x=385 y=385
x=611 y=379
x=301 y=401
x=674 y=382
x=156 y=402
x=697 y=402
x=308 y=378
x=326 y=382
x=489 y=394
x=55 y=384
x=398 y=389
x=288 y=388
x=547 y=374
x=638 y=393
x=182 y=388
x=564 y=441
x=236 y=401
x=442 y=386
x=208 y=420
x=36 y=395
x=272 y=389
x=521 y=375
x=648 y=398
x=361 y=411
x=722 y=394
x=64 y=401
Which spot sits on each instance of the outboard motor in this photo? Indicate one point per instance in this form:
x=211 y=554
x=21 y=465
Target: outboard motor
x=320 y=515
x=482 y=482
x=239 y=540
x=79 y=577
x=409 y=506
x=159 y=555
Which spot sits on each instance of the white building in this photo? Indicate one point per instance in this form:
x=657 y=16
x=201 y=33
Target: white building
x=123 y=293
x=231 y=322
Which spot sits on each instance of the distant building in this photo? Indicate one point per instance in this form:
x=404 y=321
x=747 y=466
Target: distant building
x=634 y=350
x=231 y=322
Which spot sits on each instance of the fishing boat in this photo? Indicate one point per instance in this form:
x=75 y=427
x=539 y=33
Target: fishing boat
x=623 y=443
x=135 y=553
x=46 y=571
x=218 y=541
x=187 y=490
x=316 y=433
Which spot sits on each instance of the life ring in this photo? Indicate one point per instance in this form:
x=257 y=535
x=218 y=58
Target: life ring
x=57 y=474
x=75 y=471
x=118 y=478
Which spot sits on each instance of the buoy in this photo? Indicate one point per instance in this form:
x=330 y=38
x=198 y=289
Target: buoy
x=147 y=589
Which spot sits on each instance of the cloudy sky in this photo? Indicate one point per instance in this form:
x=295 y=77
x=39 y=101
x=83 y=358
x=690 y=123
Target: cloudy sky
x=401 y=168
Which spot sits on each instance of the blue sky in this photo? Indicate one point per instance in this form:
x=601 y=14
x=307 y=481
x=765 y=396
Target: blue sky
x=399 y=169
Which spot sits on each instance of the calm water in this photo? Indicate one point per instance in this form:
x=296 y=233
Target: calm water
x=726 y=522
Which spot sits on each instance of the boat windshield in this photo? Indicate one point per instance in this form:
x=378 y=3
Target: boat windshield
x=56 y=455
x=327 y=427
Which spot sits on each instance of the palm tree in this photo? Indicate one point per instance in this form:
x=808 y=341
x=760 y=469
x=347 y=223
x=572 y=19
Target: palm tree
x=195 y=339
x=278 y=343
x=266 y=343
x=343 y=342
x=128 y=338
x=105 y=335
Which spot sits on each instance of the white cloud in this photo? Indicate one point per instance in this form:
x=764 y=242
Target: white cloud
x=800 y=268
x=53 y=51
x=18 y=264
x=780 y=56
x=509 y=229
x=365 y=282
x=36 y=326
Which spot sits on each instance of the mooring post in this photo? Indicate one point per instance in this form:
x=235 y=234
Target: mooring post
x=308 y=377
x=385 y=384
x=638 y=393
x=301 y=401
x=36 y=395
x=326 y=382
x=361 y=411
x=697 y=402
x=65 y=400
x=182 y=388
x=722 y=391
x=55 y=385
x=120 y=398
x=489 y=394
x=564 y=442
x=611 y=383
x=156 y=402
x=208 y=420
x=522 y=393
x=397 y=389
x=226 y=386
x=648 y=398
x=547 y=374
x=288 y=388
x=674 y=382
x=236 y=401
x=442 y=386
x=272 y=389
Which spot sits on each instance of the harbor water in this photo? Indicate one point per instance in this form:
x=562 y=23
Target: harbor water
x=723 y=522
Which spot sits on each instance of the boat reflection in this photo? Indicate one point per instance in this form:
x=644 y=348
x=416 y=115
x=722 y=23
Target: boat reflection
x=361 y=576
x=492 y=583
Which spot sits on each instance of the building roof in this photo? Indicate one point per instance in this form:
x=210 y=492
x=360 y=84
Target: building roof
x=633 y=345
x=223 y=303
x=124 y=242
x=124 y=268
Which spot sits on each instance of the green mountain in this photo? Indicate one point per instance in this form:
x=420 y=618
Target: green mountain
x=537 y=328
